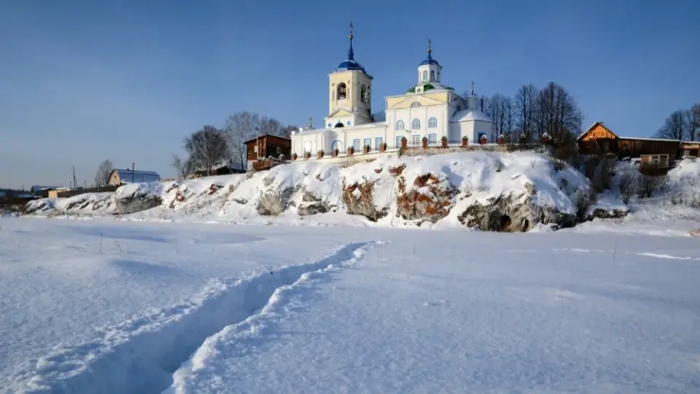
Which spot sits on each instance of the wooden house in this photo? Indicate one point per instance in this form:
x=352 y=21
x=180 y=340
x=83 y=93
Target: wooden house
x=266 y=149
x=690 y=149
x=599 y=139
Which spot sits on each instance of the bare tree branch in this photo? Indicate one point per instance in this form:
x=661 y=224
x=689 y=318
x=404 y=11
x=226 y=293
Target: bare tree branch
x=206 y=148
x=675 y=127
x=103 y=171
x=183 y=167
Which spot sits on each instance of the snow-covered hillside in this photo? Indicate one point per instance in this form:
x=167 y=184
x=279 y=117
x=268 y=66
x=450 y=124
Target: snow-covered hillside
x=485 y=190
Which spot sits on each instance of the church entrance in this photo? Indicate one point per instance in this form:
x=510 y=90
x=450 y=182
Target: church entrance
x=337 y=144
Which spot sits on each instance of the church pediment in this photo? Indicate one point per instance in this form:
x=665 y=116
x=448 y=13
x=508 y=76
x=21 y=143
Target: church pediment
x=340 y=113
x=411 y=100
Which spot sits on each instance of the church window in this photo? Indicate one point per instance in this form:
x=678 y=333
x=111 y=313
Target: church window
x=399 y=125
x=416 y=105
x=349 y=123
x=415 y=139
x=425 y=76
x=432 y=139
x=364 y=93
x=438 y=78
x=356 y=144
x=378 y=142
x=432 y=123
x=368 y=142
x=398 y=141
x=342 y=91
x=432 y=75
x=415 y=124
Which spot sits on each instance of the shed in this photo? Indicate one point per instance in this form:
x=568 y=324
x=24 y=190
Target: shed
x=120 y=177
x=599 y=139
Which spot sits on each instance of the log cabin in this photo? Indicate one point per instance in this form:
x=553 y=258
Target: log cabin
x=264 y=147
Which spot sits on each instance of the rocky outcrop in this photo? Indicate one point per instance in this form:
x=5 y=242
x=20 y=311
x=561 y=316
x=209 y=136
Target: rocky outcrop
x=311 y=205
x=601 y=213
x=273 y=203
x=513 y=213
x=358 y=200
x=137 y=201
x=428 y=198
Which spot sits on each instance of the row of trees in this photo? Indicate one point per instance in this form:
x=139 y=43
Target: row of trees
x=211 y=146
x=533 y=112
x=682 y=125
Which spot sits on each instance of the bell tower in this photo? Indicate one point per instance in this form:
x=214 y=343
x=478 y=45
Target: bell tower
x=349 y=93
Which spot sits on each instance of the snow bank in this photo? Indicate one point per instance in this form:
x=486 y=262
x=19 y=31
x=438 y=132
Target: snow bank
x=80 y=205
x=485 y=190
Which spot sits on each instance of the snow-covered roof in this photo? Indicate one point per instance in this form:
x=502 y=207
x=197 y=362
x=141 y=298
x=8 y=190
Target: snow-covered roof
x=137 y=176
x=469 y=114
x=649 y=139
x=347 y=128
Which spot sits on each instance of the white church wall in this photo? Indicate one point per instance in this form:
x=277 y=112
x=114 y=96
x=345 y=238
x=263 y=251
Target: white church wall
x=307 y=142
x=482 y=127
x=361 y=136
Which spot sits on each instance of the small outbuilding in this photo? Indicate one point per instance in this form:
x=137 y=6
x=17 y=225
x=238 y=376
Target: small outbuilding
x=120 y=177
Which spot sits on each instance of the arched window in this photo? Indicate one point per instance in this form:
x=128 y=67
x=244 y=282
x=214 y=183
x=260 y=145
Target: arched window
x=339 y=124
x=416 y=105
x=432 y=123
x=342 y=93
x=438 y=78
x=415 y=124
x=399 y=125
x=425 y=76
x=432 y=75
x=364 y=94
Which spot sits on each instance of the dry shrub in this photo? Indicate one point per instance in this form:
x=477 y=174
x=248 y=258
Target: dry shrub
x=626 y=183
x=584 y=200
x=648 y=184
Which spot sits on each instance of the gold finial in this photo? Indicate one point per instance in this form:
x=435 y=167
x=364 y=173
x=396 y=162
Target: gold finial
x=350 y=31
x=430 y=46
x=472 y=88
x=311 y=123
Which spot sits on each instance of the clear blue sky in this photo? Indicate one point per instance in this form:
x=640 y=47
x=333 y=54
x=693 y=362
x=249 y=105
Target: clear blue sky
x=81 y=81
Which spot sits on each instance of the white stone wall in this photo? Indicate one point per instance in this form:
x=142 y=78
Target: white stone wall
x=423 y=114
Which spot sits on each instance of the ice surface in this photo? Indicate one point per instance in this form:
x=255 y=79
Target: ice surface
x=185 y=307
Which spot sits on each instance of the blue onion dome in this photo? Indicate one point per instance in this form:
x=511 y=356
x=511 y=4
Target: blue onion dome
x=350 y=63
x=429 y=59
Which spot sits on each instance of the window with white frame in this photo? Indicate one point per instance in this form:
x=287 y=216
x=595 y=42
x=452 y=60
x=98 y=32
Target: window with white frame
x=399 y=125
x=398 y=141
x=432 y=75
x=416 y=105
x=432 y=123
x=432 y=139
x=356 y=144
x=278 y=150
x=415 y=124
x=368 y=142
x=378 y=142
x=415 y=139
x=425 y=76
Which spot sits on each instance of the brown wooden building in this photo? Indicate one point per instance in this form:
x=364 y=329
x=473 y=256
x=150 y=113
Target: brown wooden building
x=599 y=139
x=265 y=147
x=655 y=154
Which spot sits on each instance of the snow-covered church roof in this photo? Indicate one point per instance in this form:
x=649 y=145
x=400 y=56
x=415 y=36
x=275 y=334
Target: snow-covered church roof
x=470 y=114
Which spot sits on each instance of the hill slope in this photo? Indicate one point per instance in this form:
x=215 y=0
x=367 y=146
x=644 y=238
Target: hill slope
x=484 y=190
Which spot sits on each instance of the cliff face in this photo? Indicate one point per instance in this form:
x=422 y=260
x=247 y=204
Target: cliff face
x=482 y=190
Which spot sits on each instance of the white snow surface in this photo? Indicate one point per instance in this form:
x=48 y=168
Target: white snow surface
x=98 y=306
x=479 y=176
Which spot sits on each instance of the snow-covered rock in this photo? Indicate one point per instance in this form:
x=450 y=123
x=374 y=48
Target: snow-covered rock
x=80 y=205
x=485 y=190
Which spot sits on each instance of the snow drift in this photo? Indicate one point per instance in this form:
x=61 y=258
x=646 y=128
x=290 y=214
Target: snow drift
x=483 y=190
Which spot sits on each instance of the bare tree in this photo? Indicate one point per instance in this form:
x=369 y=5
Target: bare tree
x=693 y=119
x=183 y=167
x=524 y=104
x=497 y=107
x=558 y=115
x=271 y=126
x=103 y=172
x=239 y=128
x=675 y=127
x=206 y=148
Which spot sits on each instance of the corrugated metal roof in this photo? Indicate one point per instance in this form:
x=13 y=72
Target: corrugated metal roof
x=138 y=176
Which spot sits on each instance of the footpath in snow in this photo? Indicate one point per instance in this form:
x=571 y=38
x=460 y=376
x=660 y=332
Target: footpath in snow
x=420 y=311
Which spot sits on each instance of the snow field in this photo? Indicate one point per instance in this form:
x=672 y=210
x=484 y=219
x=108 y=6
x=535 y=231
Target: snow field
x=191 y=308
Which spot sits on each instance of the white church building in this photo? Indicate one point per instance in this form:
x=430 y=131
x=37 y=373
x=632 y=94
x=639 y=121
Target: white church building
x=429 y=109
